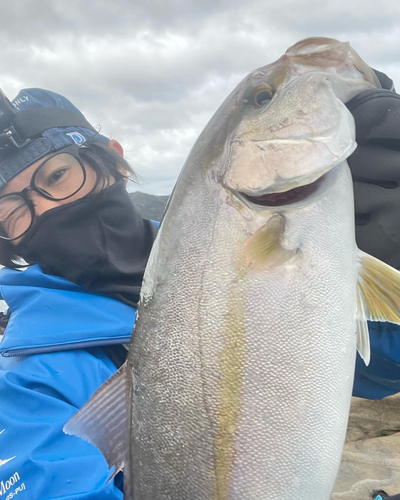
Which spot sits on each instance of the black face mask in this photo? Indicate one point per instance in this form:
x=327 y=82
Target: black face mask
x=99 y=242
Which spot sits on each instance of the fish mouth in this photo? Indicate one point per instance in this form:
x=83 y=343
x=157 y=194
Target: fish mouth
x=292 y=197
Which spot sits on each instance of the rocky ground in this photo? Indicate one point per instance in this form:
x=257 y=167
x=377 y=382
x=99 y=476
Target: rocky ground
x=371 y=458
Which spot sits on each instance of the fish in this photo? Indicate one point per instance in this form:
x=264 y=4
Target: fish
x=254 y=302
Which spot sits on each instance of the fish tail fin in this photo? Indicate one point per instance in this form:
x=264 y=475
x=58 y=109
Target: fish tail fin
x=102 y=421
x=378 y=298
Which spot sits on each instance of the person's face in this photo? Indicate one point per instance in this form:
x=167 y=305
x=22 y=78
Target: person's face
x=56 y=172
x=42 y=204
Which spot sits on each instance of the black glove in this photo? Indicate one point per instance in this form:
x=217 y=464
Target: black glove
x=375 y=166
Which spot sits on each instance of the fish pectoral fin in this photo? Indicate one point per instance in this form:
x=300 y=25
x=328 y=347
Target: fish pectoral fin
x=264 y=249
x=102 y=421
x=363 y=345
x=378 y=298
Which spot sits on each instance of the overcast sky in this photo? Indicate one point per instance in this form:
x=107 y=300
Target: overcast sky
x=152 y=73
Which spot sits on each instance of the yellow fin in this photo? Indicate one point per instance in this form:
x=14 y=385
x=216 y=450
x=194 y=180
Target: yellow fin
x=378 y=297
x=379 y=285
x=264 y=250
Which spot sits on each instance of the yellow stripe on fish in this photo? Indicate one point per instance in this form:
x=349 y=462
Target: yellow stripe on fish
x=232 y=360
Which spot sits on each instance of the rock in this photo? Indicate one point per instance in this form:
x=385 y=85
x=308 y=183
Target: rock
x=371 y=456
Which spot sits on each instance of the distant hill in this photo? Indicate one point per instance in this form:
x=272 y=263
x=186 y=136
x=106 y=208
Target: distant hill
x=149 y=206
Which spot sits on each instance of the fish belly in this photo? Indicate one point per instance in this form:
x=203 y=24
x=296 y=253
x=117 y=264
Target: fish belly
x=300 y=354
x=295 y=391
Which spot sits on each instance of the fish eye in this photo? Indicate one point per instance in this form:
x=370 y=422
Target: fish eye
x=262 y=97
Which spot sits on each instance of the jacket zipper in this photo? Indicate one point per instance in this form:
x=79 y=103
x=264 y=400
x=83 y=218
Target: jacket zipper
x=64 y=347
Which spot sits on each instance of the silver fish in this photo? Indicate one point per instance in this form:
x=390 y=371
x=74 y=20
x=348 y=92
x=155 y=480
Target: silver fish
x=255 y=299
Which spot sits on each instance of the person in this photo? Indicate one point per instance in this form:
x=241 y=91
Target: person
x=375 y=169
x=376 y=175
x=64 y=211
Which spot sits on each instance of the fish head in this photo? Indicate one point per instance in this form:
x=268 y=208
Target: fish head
x=288 y=123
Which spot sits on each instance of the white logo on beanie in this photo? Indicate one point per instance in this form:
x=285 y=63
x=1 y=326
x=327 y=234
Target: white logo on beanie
x=20 y=100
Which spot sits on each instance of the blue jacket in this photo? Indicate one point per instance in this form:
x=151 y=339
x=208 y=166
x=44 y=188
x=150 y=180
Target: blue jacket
x=52 y=359
x=382 y=377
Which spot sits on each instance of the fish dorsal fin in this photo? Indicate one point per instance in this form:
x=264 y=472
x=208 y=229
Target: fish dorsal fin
x=102 y=421
x=378 y=298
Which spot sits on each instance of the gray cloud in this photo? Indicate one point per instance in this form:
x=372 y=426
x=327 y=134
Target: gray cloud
x=152 y=73
x=43 y=19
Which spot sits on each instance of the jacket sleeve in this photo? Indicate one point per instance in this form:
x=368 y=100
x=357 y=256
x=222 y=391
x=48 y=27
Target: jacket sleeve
x=382 y=377
x=37 y=460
